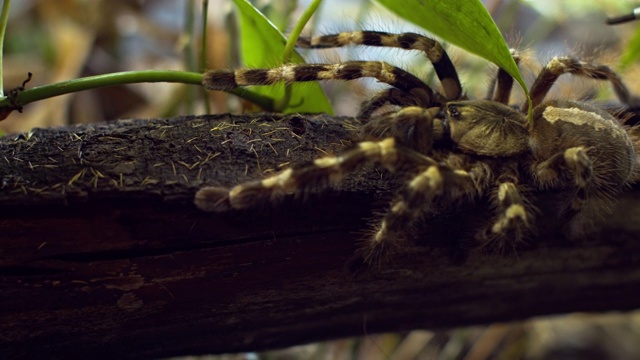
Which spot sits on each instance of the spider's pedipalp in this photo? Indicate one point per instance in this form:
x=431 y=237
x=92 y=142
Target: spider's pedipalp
x=567 y=65
x=410 y=41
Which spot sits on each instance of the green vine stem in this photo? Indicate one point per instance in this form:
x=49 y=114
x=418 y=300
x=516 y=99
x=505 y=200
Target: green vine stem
x=282 y=103
x=127 y=77
x=189 y=52
x=202 y=64
x=4 y=18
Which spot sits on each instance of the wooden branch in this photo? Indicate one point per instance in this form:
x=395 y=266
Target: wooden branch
x=103 y=254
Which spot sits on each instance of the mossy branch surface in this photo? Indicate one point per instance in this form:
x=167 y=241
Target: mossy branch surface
x=102 y=251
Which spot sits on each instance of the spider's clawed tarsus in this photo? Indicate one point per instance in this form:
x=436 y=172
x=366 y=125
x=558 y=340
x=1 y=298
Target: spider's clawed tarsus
x=456 y=150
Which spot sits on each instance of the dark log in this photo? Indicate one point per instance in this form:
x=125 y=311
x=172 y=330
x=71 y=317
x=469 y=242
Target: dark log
x=104 y=255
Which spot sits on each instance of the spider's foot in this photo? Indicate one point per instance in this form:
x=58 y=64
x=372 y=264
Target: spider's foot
x=250 y=194
x=213 y=198
x=386 y=241
x=511 y=224
x=546 y=176
x=508 y=232
x=377 y=248
x=220 y=199
x=579 y=163
x=514 y=221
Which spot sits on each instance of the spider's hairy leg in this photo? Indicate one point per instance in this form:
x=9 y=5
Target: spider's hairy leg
x=318 y=174
x=227 y=80
x=442 y=64
x=437 y=182
x=390 y=96
x=504 y=83
x=593 y=195
x=513 y=220
x=580 y=165
x=574 y=161
x=567 y=65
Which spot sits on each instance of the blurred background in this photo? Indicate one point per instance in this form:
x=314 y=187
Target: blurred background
x=67 y=39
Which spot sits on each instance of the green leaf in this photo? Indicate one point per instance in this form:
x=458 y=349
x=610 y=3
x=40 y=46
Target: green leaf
x=465 y=23
x=262 y=46
x=4 y=19
x=631 y=52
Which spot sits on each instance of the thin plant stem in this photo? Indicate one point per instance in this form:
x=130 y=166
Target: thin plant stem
x=189 y=52
x=203 y=52
x=4 y=19
x=283 y=102
x=127 y=77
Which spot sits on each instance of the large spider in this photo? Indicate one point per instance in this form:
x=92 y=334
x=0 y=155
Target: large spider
x=455 y=149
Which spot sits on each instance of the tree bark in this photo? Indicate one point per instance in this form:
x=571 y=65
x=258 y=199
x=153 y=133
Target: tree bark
x=103 y=254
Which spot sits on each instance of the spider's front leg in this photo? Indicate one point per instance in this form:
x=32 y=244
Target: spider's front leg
x=316 y=175
x=432 y=49
x=410 y=128
x=413 y=87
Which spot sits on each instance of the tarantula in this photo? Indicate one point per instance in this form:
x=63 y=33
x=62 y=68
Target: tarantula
x=455 y=149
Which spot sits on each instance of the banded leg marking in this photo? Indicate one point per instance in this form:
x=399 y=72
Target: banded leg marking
x=318 y=174
x=394 y=96
x=227 y=80
x=566 y=65
x=410 y=41
x=504 y=83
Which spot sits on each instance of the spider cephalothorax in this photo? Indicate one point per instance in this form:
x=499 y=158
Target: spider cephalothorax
x=455 y=149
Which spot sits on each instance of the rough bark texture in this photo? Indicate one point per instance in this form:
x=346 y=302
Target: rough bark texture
x=103 y=254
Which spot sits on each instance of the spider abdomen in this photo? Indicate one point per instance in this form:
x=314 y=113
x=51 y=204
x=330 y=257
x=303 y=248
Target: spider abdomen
x=562 y=125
